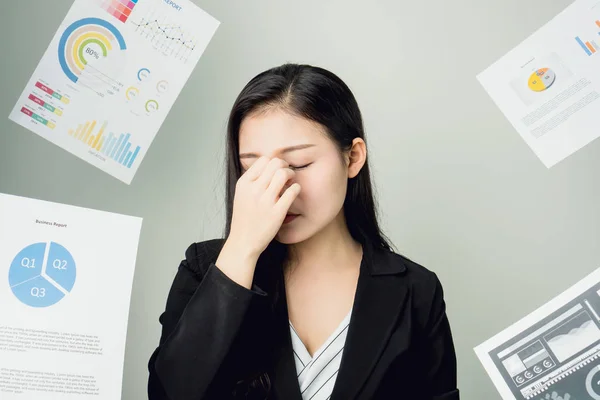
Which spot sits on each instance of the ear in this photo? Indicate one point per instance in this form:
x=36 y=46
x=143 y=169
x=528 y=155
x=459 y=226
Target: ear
x=357 y=156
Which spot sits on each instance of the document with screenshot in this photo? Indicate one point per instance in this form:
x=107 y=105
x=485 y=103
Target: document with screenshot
x=552 y=353
x=548 y=87
x=66 y=275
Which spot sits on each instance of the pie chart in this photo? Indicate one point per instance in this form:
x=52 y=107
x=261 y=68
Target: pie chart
x=42 y=274
x=541 y=79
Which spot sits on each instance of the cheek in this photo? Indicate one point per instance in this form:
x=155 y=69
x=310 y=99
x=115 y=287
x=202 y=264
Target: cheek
x=321 y=189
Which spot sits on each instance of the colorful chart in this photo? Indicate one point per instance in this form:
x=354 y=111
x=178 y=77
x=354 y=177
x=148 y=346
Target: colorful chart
x=168 y=36
x=132 y=92
x=38 y=117
x=111 y=146
x=589 y=47
x=151 y=105
x=120 y=9
x=44 y=104
x=42 y=274
x=52 y=93
x=143 y=74
x=162 y=86
x=87 y=38
x=541 y=79
x=83 y=133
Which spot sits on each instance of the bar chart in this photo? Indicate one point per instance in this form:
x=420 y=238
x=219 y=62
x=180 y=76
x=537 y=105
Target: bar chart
x=44 y=104
x=37 y=117
x=590 y=47
x=114 y=146
x=40 y=85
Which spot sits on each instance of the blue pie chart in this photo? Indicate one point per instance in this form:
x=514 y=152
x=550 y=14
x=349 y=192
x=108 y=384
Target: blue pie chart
x=42 y=274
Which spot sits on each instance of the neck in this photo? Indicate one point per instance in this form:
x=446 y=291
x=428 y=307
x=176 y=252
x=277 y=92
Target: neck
x=332 y=248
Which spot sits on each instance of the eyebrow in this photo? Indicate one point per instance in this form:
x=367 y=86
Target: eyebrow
x=281 y=151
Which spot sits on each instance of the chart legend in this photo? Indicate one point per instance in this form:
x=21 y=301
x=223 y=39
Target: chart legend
x=120 y=9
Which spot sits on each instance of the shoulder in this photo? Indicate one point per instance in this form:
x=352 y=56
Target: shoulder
x=199 y=255
x=412 y=273
x=418 y=274
x=423 y=283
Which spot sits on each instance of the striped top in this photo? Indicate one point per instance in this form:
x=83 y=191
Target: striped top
x=317 y=374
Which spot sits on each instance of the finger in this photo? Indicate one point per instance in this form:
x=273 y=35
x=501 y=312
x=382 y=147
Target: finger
x=265 y=178
x=285 y=201
x=256 y=168
x=280 y=177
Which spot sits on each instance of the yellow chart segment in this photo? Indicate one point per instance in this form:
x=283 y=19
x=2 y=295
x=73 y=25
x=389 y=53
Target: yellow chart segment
x=83 y=133
x=95 y=36
x=541 y=79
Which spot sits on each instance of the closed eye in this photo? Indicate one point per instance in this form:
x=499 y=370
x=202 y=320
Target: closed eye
x=296 y=168
x=299 y=167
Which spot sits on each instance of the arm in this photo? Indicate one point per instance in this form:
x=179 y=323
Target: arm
x=203 y=313
x=439 y=347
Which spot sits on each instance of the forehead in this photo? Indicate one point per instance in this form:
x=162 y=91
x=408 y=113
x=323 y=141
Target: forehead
x=272 y=130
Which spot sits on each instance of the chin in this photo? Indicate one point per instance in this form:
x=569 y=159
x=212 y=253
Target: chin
x=288 y=239
x=290 y=236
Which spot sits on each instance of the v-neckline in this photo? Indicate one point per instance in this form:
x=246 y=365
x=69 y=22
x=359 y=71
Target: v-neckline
x=305 y=356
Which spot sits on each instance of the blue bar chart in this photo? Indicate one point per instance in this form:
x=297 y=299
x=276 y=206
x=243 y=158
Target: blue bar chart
x=114 y=146
x=118 y=148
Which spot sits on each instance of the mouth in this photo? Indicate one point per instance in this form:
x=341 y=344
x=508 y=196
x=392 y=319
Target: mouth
x=290 y=217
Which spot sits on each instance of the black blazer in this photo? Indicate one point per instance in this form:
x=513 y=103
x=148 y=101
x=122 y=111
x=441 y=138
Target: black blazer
x=216 y=334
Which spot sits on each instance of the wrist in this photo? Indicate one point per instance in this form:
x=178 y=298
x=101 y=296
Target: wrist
x=239 y=247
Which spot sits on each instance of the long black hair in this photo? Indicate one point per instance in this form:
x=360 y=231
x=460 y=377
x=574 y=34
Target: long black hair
x=318 y=95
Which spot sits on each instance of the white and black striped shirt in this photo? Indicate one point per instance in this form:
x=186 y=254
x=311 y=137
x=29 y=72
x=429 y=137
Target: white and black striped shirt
x=317 y=374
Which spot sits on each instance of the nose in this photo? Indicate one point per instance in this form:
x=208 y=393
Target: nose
x=289 y=183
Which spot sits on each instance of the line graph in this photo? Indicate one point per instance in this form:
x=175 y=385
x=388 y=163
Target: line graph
x=171 y=39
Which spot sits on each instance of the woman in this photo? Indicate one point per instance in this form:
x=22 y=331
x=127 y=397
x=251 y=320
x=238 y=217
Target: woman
x=304 y=298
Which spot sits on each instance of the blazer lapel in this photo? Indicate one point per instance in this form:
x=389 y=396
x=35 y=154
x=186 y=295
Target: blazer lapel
x=378 y=302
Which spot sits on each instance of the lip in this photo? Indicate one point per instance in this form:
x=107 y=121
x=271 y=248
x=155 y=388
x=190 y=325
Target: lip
x=289 y=218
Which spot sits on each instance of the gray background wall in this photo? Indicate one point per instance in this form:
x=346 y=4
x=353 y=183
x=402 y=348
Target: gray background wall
x=459 y=190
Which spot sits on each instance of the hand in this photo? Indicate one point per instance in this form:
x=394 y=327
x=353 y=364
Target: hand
x=259 y=205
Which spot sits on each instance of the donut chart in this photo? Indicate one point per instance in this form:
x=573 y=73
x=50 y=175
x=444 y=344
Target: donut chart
x=42 y=274
x=85 y=40
x=541 y=79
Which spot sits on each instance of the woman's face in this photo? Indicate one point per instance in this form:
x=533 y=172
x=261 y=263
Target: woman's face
x=319 y=170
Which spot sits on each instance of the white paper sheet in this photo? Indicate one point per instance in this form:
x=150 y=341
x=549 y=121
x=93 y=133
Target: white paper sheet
x=552 y=353
x=110 y=76
x=548 y=86
x=65 y=285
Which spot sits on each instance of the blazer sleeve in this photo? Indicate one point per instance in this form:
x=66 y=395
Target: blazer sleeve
x=441 y=368
x=204 y=311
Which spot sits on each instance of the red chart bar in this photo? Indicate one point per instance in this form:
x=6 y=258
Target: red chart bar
x=27 y=111
x=44 y=88
x=37 y=100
